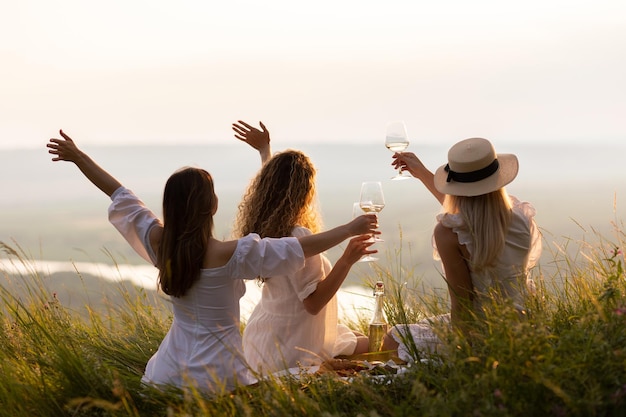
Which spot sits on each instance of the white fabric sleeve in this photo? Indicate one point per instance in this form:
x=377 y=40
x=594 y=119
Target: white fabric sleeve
x=266 y=257
x=345 y=341
x=134 y=221
x=305 y=281
x=536 y=245
x=457 y=224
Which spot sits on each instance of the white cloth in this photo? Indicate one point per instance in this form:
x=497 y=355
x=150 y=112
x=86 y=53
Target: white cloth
x=509 y=278
x=281 y=334
x=203 y=346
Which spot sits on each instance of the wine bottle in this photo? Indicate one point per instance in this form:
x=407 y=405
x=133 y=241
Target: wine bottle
x=378 y=325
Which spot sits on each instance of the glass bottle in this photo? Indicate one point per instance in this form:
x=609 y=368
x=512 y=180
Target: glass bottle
x=378 y=325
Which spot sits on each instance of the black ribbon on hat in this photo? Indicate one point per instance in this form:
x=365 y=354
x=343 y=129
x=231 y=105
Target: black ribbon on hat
x=472 y=176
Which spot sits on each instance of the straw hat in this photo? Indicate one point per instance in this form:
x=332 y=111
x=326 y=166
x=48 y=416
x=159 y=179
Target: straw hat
x=474 y=168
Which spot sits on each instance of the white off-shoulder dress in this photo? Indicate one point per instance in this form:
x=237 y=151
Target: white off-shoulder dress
x=509 y=278
x=281 y=334
x=203 y=346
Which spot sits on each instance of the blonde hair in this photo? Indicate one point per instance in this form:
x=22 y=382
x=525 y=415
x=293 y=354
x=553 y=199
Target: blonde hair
x=280 y=197
x=488 y=217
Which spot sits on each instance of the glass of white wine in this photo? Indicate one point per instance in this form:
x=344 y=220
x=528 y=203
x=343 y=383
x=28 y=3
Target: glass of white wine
x=356 y=212
x=372 y=199
x=397 y=140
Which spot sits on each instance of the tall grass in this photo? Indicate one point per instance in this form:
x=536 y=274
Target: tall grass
x=566 y=358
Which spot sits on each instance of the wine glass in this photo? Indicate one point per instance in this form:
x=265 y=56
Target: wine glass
x=372 y=199
x=397 y=140
x=356 y=212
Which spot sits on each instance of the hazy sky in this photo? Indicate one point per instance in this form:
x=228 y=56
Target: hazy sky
x=154 y=71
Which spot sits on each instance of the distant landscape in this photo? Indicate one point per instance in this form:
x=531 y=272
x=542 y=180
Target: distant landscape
x=54 y=214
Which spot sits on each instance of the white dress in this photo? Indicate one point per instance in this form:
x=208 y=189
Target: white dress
x=281 y=334
x=509 y=278
x=203 y=346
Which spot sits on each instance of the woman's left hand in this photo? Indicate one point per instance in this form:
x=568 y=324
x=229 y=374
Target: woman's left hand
x=258 y=139
x=254 y=137
x=357 y=247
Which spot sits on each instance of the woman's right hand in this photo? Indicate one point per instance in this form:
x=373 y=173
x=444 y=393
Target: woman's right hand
x=407 y=161
x=64 y=149
x=365 y=224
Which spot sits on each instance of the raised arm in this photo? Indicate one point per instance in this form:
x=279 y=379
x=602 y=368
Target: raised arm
x=409 y=162
x=317 y=243
x=259 y=140
x=326 y=289
x=66 y=150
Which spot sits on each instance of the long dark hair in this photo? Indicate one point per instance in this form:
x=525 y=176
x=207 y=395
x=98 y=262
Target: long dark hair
x=189 y=202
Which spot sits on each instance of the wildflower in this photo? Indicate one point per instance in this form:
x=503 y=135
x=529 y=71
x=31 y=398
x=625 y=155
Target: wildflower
x=620 y=311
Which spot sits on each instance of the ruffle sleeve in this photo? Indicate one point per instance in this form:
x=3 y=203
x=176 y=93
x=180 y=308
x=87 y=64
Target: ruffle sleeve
x=528 y=211
x=134 y=221
x=266 y=257
x=458 y=226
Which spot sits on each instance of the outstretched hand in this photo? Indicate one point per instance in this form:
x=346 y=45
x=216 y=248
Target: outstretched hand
x=254 y=137
x=258 y=139
x=65 y=149
x=407 y=161
x=364 y=224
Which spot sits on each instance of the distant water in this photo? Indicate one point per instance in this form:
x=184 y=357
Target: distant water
x=54 y=214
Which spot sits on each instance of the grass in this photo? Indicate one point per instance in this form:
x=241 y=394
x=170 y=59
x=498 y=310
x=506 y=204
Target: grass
x=566 y=358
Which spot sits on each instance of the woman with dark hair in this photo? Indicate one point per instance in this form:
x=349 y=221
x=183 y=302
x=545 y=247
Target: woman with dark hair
x=202 y=275
x=295 y=322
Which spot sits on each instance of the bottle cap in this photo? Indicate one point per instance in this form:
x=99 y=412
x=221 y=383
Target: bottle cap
x=379 y=288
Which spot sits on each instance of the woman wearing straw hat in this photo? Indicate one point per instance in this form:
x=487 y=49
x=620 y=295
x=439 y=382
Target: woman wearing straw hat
x=486 y=240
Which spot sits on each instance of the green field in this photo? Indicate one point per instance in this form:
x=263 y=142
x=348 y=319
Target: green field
x=84 y=355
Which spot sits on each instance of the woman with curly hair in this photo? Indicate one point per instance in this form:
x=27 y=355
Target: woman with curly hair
x=295 y=322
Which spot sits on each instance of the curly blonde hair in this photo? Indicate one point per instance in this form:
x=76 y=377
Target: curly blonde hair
x=280 y=197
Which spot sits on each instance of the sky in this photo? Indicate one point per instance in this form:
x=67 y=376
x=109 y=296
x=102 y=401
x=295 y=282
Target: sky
x=178 y=72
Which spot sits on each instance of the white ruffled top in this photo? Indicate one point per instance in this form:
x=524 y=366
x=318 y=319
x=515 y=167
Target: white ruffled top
x=521 y=252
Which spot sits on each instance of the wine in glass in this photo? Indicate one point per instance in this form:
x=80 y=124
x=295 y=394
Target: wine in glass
x=397 y=140
x=372 y=199
x=356 y=212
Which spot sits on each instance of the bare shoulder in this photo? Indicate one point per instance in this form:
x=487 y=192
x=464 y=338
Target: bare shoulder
x=448 y=242
x=445 y=235
x=219 y=253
